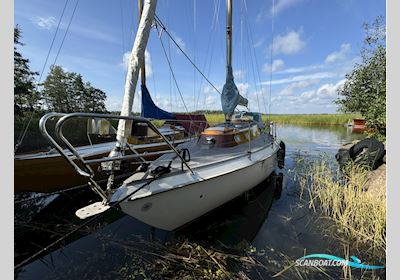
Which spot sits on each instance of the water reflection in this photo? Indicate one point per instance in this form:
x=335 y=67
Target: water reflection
x=232 y=223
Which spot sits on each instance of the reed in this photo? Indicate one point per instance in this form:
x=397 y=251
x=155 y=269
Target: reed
x=306 y=119
x=359 y=215
x=313 y=119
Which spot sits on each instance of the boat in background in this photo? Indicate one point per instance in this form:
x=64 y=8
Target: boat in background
x=358 y=125
x=47 y=171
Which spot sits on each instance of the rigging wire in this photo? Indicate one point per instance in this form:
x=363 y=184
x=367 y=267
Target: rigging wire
x=194 y=54
x=164 y=29
x=122 y=26
x=66 y=32
x=52 y=42
x=241 y=43
x=26 y=125
x=272 y=52
x=169 y=56
x=252 y=66
x=253 y=51
x=208 y=61
x=173 y=76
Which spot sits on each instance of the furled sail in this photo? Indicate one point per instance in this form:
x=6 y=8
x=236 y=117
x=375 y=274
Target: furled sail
x=135 y=60
x=230 y=96
x=150 y=110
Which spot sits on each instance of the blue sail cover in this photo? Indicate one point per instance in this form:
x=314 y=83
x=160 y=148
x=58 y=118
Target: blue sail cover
x=150 y=110
x=230 y=96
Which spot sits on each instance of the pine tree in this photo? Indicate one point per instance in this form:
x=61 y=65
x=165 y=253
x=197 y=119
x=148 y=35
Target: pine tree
x=56 y=90
x=26 y=96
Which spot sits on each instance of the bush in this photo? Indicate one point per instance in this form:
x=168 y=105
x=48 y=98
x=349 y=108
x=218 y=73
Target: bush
x=365 y=88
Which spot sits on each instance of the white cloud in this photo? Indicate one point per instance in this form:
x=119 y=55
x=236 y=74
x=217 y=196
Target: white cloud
x=148 y=64
x=239 y=74
x=45 y=22
x=212 y=100
x=258 y=100
x=243 y=87
x=291 y=88
x=113 y=103
x=282 y=5
x=259 y=42
x=277 y=65
x=179 y=41
x=318 y=75
x=79 y=30
x=323 y=95
x=338 y=55
x=92 y=33
x=290 y=43
x=320 y=99
x=295 y=70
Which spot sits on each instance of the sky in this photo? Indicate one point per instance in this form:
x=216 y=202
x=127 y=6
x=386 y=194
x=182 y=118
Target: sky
x=290 y=59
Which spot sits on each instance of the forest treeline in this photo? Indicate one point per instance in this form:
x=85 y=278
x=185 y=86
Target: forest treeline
x=61 y=91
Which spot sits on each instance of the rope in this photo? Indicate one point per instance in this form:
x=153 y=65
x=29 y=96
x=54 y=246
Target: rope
x=164 y=29
x=26 y=125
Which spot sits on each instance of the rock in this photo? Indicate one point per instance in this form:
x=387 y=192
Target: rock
x=376 y=183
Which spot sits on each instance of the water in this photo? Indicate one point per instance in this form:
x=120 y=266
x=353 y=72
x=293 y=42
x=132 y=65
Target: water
x=264 y=218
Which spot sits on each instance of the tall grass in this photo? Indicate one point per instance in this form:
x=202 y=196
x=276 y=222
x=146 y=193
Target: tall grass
x=359 y=215
x=315 y=119
x=308 y=119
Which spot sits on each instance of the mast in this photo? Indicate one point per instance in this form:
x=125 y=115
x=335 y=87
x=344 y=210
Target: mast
x=229 y=33
x=143 y=65
x=135 y=61
x=230 y=96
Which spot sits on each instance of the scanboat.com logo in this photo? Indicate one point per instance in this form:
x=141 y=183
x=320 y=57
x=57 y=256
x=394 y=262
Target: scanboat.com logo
x=329 y=260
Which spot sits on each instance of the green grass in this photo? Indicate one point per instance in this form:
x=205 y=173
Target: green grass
x=341 y=196
x=314 y=119
x=307 y=119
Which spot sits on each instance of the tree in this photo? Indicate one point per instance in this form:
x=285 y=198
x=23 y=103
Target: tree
x=66 y=92
x=365 y=88
x=26 y=95
x=56 y=90
x=78 y=92
x=95 y=99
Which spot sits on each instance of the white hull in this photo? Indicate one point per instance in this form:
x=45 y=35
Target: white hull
x=173 y=201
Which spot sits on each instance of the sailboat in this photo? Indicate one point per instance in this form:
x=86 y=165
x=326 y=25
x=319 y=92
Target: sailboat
x=194 y=178
x=47 y=171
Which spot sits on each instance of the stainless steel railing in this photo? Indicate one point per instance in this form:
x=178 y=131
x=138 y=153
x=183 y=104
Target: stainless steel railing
x=82 y=165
